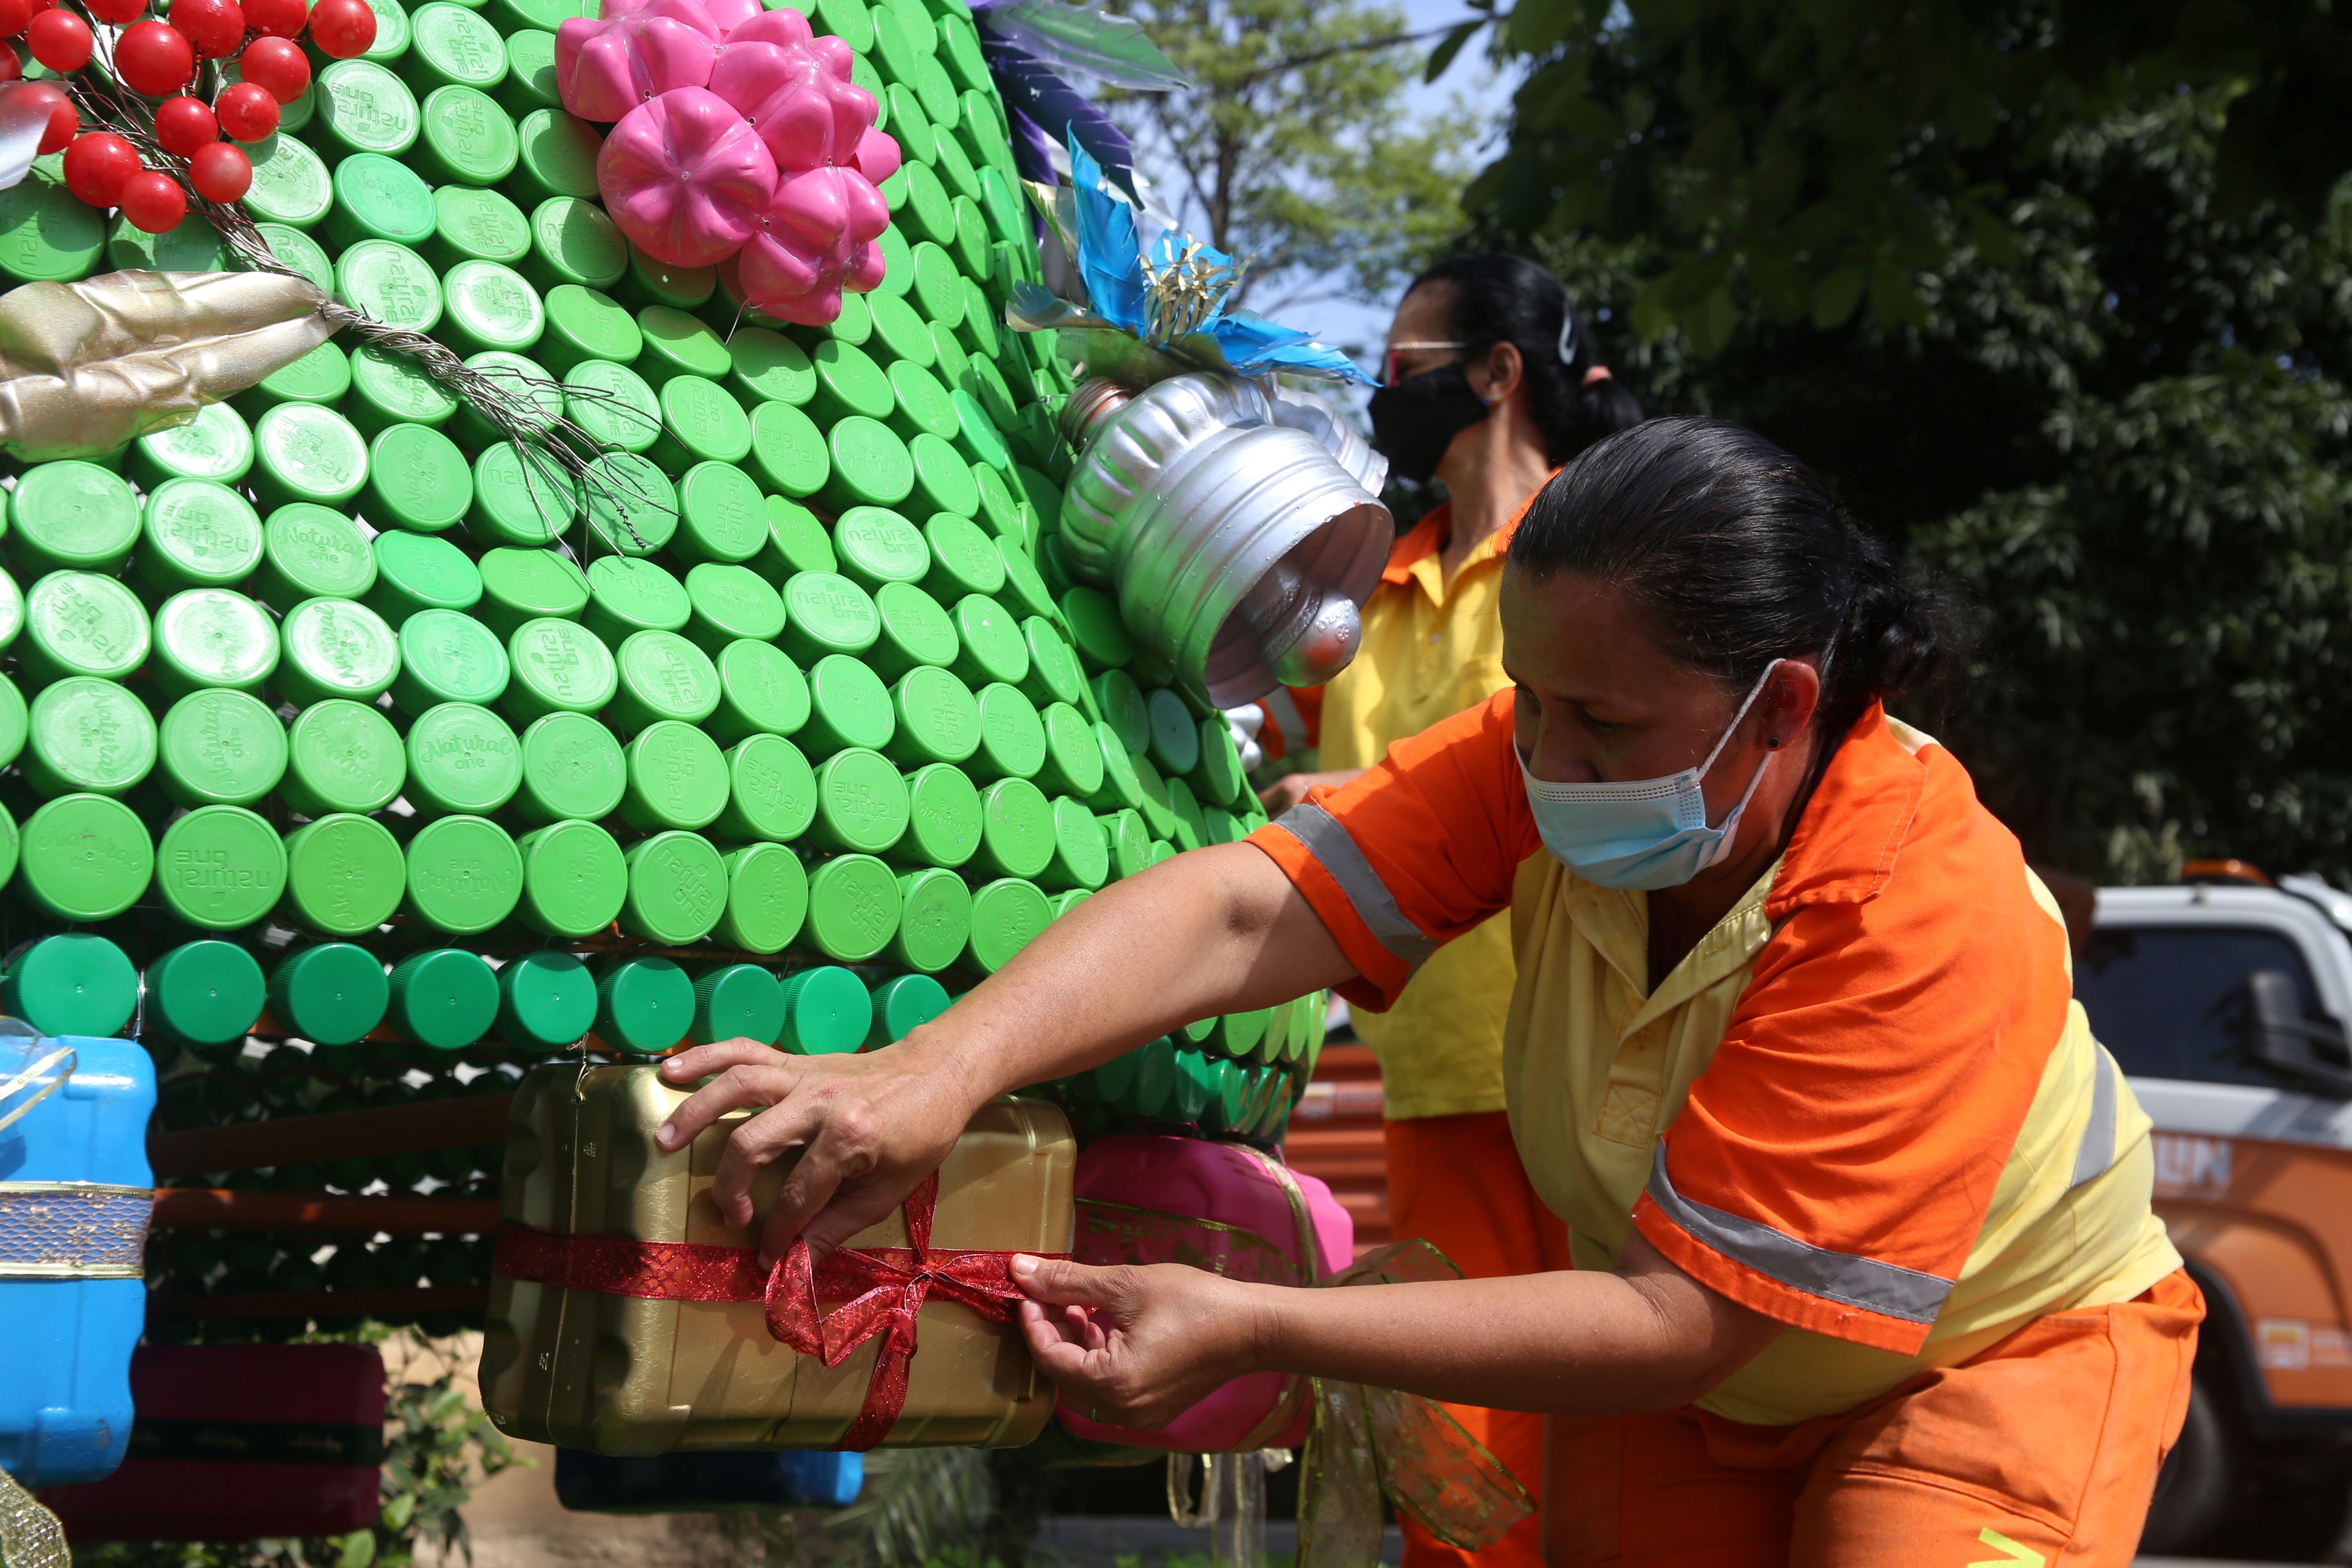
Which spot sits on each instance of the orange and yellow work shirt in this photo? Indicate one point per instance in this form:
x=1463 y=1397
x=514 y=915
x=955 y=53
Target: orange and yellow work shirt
x=1865 y=1104
x=1430 y=649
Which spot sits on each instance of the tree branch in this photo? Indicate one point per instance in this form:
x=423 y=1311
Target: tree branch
x=1361 y=46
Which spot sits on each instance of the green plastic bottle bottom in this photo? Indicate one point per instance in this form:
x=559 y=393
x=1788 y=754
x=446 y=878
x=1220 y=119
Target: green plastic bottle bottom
x=73 y=984
x=827 y=1011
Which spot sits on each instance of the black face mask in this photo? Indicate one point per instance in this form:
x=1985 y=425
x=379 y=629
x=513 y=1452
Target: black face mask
x=1414 y=420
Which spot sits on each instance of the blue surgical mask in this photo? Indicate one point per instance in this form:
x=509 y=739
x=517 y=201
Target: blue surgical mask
x=1644 y=834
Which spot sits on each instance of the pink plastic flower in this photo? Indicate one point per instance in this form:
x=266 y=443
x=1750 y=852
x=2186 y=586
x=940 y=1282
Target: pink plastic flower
x=878 y=156
x=686 y=177
x=811 y=243
x=772 y=69
x=606 y=68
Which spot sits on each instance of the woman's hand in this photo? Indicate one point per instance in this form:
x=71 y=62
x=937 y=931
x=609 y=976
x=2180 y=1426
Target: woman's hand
x=869 y=1126
x=1291 y=788
x=1137 y=1346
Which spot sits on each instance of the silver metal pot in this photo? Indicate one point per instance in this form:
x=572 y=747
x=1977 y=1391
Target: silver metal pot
x=1240 y=530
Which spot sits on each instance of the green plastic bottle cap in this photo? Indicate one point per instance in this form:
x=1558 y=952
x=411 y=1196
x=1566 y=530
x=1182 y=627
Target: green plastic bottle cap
x=771 y=791
x=847 y=382
x=976 y=435
x=876 y=545
x=465 y=875
x=445 y=656
x=389 y=389
x=560 y=667
x=572 y=768
x=463 y=758
x=322 y=375
x=899 y=332
x=612 y=403
x=731 y=602
x=1081 y=855
x=198 y=534
x=71 y=515
x=1175 y=744
x=306 y=453
x=47 y=235
x=991 y=648
x=737 y=1001
x=331 y=994
x=546 y=1001
x=827 y=613
x=530 y=81
x=954 y=366
x=796 y=542
x=74 y=983
x=677 y=343
x=941 y=477
x=1218 y=780
x=1012 y=736
x=915 y=630
x=558 y=158
x=343 y=756
x=1191 y=831
x=787 y=452
x=1025 y=588
x=701 y=422
x=944 y=816
x=212 y=636
x=216 y=445
x=443 y=998
x=85 y=857
x=203 y=992
x=769 y=367
x=344 y=874
x=929 y=218
x=472 y=225
x=520 y=585
x=453 y=44
x=377 y=197
x=584 y=324
x=12 y=725
x=1096 y=630
x=848 y=706
x=722 y=519
x=78 y=623
x=1017 y=828
x=632 y=505
x=220 y=747
x=464 y=139
x=520 y=377
x=899 y=262
x=962 y=559
x=364 y=108
x=1158 y=811
x=861 y=802
x=1005 y=517
x=1055 y=675
x=391 y=282
x=333 y=648
x=903 y=1004
x=1121 y=702
x=1006 y=916
x=767 y=898
x=628 y=595
x=936 y=717
x=1128 y=841
x=392 y=31
x=418 y=479
x=827 y=1011
x=516 y=496
x=678 y=888
x=645 y=1005
x=869 y=464
x=1074 y=758
x=221 y=868
x=89 y=734
x=573 y=878
x=486 y=305
x=677 y=778
x=416 y=572
x=651 y=282
x=761 y=692
x=1221 y=827
x=662 y=676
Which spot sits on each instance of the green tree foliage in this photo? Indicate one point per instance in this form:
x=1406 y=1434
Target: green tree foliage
x=1294 y=148
x=1805 y=159
x=2123 y=440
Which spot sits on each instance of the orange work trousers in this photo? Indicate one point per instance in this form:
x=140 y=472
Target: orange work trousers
x=1456 y=1183
x=2041 y=1451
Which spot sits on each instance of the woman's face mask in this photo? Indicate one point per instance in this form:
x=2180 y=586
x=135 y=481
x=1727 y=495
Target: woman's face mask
x=1414 y=420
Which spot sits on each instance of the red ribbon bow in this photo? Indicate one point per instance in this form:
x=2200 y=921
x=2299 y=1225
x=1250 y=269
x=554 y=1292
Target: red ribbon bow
x=883 y=1289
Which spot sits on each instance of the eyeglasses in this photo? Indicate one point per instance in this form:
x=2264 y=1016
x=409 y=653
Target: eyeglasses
x=1388 y=363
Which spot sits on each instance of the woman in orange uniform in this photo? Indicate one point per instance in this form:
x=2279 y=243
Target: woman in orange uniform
x=1864 y=1267
x=1491 y=385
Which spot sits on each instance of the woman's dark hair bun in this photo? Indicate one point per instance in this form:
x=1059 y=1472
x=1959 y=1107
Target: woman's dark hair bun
x=1495 y=298
x=1742 y=557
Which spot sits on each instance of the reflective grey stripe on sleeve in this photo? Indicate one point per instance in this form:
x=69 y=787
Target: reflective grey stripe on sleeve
x=1883 y=1287
x=2098 y=1147
x=1331 y=844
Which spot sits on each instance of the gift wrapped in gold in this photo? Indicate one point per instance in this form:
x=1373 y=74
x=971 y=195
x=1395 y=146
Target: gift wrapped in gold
x=627 y=1317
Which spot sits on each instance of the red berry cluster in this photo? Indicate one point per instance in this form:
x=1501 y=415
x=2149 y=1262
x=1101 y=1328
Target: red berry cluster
x=158 y=60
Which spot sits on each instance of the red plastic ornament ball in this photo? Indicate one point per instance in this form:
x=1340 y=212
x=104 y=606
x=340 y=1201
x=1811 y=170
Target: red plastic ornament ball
x=185 y=124
x=153 y=203
x=118 y=11
x=60 y=40
x=277 y=18
x=63 y=120
x=220 y=172
x=246 y=112
x=343 y=28
x=216 y=28
x=12 y=66
x=96 y=166
x=15 y=16
x=153 y=58
x=277 y=65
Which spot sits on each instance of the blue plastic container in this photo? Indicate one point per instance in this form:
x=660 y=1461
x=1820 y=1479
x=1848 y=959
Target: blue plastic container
x=75 y=1194
x=704 y=1483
